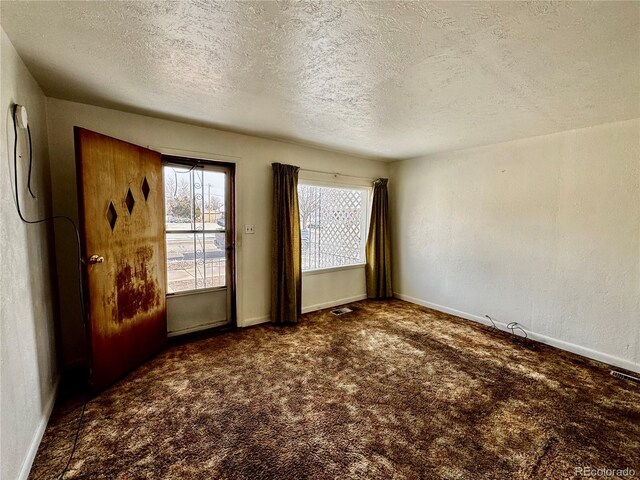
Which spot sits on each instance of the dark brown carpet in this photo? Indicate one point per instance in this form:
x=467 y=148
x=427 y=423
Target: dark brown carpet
x=391 y=390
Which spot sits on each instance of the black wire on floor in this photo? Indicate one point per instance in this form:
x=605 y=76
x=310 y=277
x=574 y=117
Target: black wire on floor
x=43 y=220
x=75 y=440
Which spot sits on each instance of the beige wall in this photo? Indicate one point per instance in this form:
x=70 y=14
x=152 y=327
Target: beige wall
x=253 y=157
x=28 y=372
x=543 y=231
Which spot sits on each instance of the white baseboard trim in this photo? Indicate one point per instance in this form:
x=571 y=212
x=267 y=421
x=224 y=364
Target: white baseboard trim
x=37 y=435
x=333 y=303
x=250 y=322
x=197 y=328
x=554 y=342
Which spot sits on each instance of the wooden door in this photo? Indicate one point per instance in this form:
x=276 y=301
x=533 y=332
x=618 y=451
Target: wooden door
x=121 y=203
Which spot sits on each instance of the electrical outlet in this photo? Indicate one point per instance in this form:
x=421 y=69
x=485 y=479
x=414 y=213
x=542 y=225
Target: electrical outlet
x=249 y=229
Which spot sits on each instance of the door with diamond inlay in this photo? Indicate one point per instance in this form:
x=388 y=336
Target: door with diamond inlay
x=121 y=201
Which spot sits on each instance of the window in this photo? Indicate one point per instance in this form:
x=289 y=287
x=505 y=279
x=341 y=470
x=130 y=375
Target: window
x=195 y=227
x=333 y=224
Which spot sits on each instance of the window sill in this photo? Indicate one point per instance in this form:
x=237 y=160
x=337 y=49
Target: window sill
x=320 y=271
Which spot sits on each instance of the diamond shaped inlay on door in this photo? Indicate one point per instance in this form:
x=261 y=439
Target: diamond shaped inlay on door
x=145 y=188
x=129 y=201
x=112 y=215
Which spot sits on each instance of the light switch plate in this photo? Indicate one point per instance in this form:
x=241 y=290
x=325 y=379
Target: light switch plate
x=249 y=229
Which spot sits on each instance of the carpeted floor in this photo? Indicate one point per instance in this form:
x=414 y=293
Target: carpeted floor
x=391 y=390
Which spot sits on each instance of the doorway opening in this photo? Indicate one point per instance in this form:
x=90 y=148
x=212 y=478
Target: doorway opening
x=200 y=241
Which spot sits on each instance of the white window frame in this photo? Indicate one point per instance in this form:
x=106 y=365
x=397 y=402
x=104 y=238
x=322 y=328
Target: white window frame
x=368 y=189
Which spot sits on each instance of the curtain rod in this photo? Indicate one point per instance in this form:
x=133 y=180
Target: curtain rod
x=336 y=174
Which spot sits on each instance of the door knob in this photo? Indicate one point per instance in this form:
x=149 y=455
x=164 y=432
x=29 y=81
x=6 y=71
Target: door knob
x=96 y=259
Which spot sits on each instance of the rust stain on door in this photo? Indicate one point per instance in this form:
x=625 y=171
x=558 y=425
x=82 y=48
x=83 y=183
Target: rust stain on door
x=137 y=289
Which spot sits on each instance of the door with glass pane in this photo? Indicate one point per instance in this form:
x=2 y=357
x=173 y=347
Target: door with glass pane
x=199 y=238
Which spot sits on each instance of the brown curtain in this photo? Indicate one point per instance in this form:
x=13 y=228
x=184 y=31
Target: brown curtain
x=286 y=272
x=379 y=244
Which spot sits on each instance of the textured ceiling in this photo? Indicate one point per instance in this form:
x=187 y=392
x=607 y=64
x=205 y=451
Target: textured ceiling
x=381 y=79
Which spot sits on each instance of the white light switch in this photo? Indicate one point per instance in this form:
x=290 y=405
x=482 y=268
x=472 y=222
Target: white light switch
x=249 y=229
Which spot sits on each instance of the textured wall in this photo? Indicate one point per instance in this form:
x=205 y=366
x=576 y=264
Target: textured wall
x=253 y=156
x=28 y=369
x=327 y=289
x=543 y=231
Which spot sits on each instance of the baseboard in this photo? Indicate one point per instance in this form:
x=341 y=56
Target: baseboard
x=197 y=328
x=250 y=322
x=333 y=303
x=37 y=436
x=554 y=342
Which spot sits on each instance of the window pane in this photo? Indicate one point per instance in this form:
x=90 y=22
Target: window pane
x=209 y=190
x=332 y=223
x=213 y=261
x=178 y=194
x=195 y=201
x=180 y=262
x=194 y=198
x=195 y=260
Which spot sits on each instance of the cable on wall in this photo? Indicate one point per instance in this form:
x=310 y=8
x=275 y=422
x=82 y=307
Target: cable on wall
x=522 y=338
x=493 y=324
x=30 y=163
x=49 y=218
x=513 y=326
x=20 y=119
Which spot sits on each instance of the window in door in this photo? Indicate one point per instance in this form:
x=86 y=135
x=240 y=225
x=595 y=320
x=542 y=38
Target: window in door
x=195 y=227
x=333 y=225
